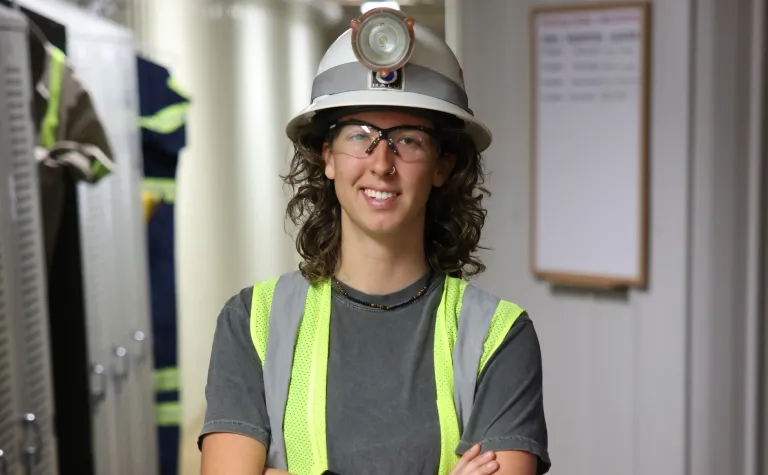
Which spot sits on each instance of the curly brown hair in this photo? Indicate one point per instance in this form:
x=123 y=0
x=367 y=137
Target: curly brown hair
x=455 y=212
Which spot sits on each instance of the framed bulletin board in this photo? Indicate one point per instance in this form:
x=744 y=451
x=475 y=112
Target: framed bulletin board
x=589 y=132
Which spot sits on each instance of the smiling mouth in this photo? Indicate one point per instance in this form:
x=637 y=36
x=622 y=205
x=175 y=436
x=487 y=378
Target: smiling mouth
x=380 y=195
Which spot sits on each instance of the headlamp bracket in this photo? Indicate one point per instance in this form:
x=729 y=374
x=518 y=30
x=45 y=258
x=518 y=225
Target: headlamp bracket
x=357 y=24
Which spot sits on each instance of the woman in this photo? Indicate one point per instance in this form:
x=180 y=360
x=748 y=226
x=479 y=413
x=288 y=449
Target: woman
x=376 y=357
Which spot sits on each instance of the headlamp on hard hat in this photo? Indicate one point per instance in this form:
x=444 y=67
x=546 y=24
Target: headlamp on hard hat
x=383 y=40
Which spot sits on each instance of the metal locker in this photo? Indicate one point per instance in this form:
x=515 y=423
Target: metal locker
x=113 y=241
x=11 y=25
x=29 y=417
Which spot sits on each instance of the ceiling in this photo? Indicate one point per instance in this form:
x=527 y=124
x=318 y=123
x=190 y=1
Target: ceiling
x=407 y=3
x=429 y=13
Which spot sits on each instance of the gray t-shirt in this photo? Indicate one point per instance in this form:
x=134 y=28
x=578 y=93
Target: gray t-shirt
x=381 y=416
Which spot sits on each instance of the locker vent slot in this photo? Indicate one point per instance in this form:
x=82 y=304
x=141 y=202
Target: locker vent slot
x=30 y=262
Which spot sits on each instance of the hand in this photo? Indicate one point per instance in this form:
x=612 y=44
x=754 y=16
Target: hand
x=472 y=463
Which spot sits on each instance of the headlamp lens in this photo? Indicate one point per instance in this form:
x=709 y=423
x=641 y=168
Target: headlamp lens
x=382 y=39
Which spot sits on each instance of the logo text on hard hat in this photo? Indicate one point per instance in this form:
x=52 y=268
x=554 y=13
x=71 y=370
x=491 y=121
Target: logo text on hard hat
x=393 y=80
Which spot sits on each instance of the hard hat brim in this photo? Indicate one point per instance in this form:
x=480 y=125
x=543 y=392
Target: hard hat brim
x=479 y=132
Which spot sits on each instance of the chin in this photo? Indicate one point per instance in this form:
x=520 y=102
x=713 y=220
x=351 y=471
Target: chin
x=384 y=229
x=380 y=224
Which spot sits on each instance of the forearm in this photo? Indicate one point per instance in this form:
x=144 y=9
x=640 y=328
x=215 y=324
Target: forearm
x=232 y=454
x=512 y=462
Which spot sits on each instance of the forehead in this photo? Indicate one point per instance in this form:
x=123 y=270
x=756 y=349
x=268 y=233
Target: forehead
x=387 y=119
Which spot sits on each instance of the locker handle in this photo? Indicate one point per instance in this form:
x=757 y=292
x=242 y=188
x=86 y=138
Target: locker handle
x=121 y=367
x=98 y=395
x=32 y=452
x=3 y=463
x=140 y=337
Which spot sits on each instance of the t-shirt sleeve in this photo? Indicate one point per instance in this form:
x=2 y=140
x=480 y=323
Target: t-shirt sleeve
x=235 y=388
x=508 y=412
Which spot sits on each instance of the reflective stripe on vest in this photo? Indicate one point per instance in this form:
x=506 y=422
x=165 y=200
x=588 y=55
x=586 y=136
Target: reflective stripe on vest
x=50 y=122
x=290 y=323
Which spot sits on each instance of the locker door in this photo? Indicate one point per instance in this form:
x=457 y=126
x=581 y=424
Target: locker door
x=116 y=302
x=98 y=272
x=33 y=339
x=9 y=374
x=9 y=444
x=133 y=260
x=25 y=268
x=10 y=25
x=103 y=263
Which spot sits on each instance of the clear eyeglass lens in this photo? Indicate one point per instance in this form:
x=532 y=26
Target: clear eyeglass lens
x=411 y=144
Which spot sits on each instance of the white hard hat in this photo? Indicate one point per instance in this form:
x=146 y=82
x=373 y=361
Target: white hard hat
x=387 y=60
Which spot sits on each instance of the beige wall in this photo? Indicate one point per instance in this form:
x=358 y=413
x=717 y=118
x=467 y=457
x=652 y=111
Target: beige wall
x=643 y=382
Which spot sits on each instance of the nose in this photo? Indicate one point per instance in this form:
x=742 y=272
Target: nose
x=382 y=158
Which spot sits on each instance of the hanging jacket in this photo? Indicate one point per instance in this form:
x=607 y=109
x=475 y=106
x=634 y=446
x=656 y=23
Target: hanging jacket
x=70 y=137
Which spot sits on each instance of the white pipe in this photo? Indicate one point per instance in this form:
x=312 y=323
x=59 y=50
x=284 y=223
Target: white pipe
x=755 y=200
x=453 y=26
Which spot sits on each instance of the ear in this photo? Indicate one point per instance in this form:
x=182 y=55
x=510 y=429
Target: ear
x=445 y=164
x=330 y=166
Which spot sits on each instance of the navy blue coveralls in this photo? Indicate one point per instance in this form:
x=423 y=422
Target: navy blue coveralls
x=163 y=108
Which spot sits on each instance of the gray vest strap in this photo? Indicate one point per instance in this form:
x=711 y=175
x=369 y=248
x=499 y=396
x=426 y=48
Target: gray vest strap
x=284 y=318
x=477 y=309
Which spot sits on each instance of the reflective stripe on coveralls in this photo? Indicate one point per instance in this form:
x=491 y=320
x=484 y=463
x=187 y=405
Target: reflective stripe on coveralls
x=50 y=124
x=471 y=325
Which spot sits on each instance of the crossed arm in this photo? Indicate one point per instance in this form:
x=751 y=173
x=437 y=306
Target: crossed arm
x=234 y=454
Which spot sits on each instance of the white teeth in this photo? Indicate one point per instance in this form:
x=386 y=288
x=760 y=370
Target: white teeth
x=379 y=195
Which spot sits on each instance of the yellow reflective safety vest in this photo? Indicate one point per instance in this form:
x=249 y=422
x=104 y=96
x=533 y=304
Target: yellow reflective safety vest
x=470 y=326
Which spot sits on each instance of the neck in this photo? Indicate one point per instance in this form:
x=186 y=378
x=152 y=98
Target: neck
x=381 y=266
